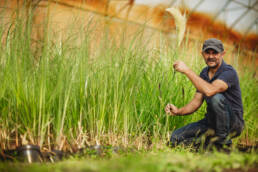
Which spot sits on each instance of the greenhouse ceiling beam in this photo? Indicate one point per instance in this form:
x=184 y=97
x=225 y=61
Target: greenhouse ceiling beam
x=239 y=18
x=197 y=5
x=244 y=5
x=222 y=9
x=255 y=22
x=242 y=15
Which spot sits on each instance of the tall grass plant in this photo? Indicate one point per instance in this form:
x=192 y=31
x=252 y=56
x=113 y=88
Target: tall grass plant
x=60 y=94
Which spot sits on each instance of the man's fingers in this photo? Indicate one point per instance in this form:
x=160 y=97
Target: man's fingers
x=169 y=109
x=175 y=66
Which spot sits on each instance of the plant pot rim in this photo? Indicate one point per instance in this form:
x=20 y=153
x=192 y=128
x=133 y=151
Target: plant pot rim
x=28 y=147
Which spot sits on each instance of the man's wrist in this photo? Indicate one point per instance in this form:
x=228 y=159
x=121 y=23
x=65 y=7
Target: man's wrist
x=187 y=71
x=179 y=112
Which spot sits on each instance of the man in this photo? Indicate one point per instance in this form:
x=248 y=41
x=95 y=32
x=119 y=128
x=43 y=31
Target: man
x=218 y=85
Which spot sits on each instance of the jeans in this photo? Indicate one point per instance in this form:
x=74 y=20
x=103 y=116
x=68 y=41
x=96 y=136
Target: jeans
x=219 y=118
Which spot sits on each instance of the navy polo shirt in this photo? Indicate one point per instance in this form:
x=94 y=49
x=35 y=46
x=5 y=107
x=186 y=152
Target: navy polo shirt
x=227 y=74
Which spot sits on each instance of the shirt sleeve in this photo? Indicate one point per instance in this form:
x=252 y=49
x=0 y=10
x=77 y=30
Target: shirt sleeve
x=229 y=77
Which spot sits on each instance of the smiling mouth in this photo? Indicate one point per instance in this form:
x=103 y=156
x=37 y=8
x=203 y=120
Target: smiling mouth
x=211 y=63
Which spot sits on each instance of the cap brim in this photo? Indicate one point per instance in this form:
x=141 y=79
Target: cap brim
x=212 y=47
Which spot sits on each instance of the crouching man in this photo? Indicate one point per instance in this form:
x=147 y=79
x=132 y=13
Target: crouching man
x=218 y=85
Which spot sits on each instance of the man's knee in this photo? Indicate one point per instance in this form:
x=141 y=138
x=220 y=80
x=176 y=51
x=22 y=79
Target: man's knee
x=217 y=100
x=175 y=136
x=173 y=140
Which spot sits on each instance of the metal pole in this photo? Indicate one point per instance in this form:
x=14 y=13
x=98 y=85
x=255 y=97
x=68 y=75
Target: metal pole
x=250 y=26
x=222 y=9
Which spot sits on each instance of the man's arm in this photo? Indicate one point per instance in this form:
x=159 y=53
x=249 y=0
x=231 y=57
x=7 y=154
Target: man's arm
x=191 y=107
x=201 y=85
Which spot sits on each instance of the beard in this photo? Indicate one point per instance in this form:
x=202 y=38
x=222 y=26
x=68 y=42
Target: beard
x=215 y=61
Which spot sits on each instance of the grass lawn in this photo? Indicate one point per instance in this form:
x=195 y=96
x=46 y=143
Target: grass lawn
x=149 y=161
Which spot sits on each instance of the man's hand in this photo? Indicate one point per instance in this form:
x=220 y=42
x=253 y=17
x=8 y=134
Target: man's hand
x=180 y=66
x=171 y=110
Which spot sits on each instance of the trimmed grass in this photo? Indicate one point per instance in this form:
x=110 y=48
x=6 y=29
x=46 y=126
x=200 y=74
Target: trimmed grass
x=178 y=160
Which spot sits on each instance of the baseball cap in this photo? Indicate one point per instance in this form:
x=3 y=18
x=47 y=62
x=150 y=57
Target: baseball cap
x=214 y=44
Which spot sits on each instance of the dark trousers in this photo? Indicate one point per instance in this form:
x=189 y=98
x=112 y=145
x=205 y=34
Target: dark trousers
x=219 y=118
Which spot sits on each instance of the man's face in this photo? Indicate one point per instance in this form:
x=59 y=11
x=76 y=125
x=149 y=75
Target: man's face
x=213 y=58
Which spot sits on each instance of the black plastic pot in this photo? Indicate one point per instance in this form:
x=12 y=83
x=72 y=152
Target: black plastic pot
x=8 y=155
x=53 y=156
x=29 y=153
